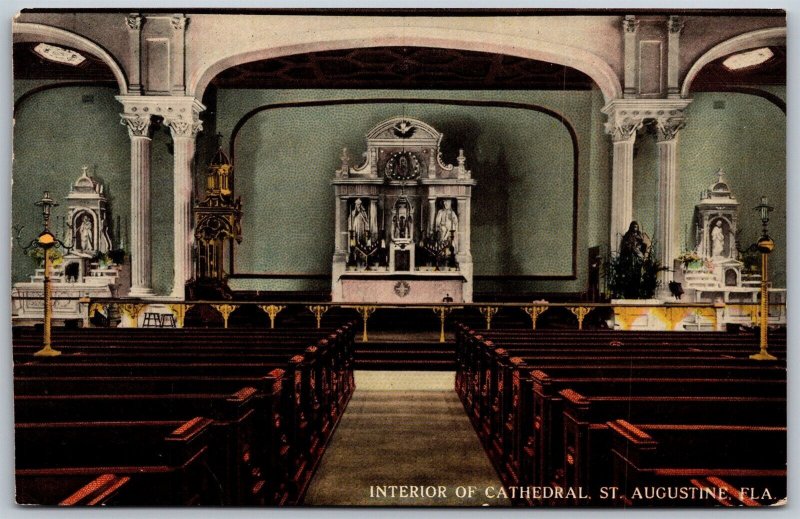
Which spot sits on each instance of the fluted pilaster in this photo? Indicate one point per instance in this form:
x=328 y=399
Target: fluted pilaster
x=140 y=248
x=667 y=228
x=184 y=134
x=623 y=136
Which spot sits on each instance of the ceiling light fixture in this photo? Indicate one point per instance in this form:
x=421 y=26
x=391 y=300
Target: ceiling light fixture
x=59 y=54
x=747 y=59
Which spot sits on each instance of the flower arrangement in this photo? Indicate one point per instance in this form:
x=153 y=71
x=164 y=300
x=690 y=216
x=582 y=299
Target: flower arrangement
x=112 y=257
x=688 y=256
x=632 y=279
x=37 y=254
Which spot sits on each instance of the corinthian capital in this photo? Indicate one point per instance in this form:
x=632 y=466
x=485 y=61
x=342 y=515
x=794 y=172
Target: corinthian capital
x=178 y=22
x=138 y=125
x=667 y=128
x=675 y=24
x=183 y=128
x=630 y=24
x=134 y=21
x=623 y=130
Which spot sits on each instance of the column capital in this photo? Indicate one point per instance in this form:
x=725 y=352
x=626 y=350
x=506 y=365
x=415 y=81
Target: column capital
x=630 y=23
x=625 y=116
x=178 y=22
x=675 y=24
x=624 y=130
x=667 y=128
x=134 y=21
x=138 y=124
x=183 y=128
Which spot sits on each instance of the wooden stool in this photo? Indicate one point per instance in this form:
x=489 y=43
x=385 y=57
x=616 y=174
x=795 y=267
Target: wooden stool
x=152 y=320
x=168 y=321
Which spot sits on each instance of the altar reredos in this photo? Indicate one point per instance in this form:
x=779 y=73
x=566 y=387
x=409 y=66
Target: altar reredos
x=402 y=219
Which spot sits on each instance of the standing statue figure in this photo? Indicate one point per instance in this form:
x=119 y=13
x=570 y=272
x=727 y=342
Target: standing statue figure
x=634 y=275
x=403 y=221
x=358 y=222
x=717 y=240
x=446 y=225
x=85 y=234
x=634 y=244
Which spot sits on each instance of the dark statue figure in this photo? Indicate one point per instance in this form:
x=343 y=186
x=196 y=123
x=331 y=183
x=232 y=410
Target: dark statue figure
x=633 y=244
x=632 y=274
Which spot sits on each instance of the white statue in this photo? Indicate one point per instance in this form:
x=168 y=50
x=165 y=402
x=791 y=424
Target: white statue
x=717 y=240
x=446 y=223
x=86 y=234
x=359 y=220
x=403 y=221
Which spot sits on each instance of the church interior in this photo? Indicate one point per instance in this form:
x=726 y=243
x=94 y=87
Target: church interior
x=399 y=258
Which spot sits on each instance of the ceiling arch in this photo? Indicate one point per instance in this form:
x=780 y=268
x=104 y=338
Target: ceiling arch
x=590 y=64
x=35 y=32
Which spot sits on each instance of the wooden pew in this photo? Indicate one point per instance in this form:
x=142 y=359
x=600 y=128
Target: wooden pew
x=585 y=449
x=167 y=467
x=660 y=456
x=240 y=468
x=309 y=408
x=495 y=388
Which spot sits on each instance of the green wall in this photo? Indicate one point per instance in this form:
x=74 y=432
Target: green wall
x=56 y=132
x=522 y=160
x=747 y=140
x=522 y=210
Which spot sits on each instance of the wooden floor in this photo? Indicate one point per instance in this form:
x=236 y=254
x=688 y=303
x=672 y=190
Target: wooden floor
x=404 y=436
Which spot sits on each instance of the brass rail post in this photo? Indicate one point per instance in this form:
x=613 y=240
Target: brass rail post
x=488 y=313
x=442 y=312
x=580 y=312
x=318 y=311
x=534 y=312
x=272 y=311
x=132 y=310
x=179 y=311
x=365 y=312
x=226 y=311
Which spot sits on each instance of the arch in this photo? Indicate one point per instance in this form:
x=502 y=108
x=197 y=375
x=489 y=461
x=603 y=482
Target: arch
x=34 y=32
x=561 y=118
x=579 y=59
x=748 y=40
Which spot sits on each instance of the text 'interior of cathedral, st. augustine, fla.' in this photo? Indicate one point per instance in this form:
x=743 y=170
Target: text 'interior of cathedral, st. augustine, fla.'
x=399 y=258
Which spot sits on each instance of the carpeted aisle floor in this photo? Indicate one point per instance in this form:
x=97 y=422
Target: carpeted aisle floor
x=403 y=429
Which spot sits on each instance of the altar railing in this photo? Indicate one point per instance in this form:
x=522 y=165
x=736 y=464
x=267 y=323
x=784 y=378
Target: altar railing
x=677 y=316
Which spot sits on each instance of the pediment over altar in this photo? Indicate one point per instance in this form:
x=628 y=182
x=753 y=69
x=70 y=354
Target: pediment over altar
x=403 y=149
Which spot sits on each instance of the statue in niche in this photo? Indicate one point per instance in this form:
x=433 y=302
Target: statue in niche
x=85 y=234
x=403 y=221
x=446 y=223
x=717 y=240
x=359 y=221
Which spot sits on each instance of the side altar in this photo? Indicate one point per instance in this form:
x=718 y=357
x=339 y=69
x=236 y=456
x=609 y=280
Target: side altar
x=402 y=220
x=91 y=267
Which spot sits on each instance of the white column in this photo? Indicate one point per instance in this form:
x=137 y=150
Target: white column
x=623 y=136
x=140 y=253
x=667 y=235
x=183 y=137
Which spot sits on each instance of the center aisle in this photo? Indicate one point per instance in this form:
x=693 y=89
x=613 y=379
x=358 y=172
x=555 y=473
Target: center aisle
x=408 y=430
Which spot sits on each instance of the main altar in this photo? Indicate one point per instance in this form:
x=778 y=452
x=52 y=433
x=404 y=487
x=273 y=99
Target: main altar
x=402 y=220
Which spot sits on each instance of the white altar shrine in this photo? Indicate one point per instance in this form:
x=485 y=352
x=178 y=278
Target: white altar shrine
x=712 y=273
x=402 y=220
x=86 y=270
